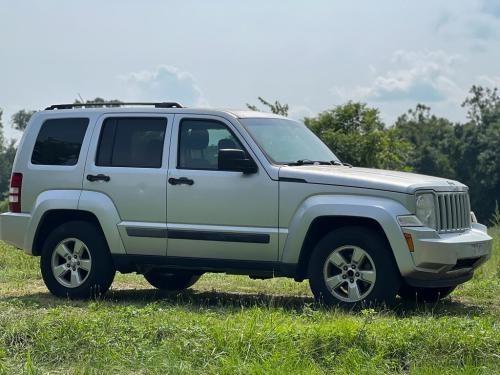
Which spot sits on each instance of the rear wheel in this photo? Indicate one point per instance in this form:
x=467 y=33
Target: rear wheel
x=76 y=262
x=173 y=280
x=415 y=294
x=353 y=266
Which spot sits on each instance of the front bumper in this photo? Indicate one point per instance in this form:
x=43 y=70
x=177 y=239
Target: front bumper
x=447 y=259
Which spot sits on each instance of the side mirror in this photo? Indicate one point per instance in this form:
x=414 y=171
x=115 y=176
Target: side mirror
x=234 y=160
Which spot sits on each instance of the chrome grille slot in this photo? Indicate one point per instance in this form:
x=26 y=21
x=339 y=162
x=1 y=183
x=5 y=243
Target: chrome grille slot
x=453 y=212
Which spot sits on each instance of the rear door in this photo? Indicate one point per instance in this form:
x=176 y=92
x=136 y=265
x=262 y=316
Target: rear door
x=128 y=161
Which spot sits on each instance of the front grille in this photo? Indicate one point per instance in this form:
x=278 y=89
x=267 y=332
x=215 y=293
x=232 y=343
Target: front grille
x=453 y=212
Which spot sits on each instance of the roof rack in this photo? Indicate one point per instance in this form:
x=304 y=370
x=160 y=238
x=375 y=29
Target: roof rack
x=113 y=104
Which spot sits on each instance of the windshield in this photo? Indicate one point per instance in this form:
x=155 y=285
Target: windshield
x=286 y=141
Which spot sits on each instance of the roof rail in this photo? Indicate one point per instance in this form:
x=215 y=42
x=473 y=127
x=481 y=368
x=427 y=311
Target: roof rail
x=113 y=104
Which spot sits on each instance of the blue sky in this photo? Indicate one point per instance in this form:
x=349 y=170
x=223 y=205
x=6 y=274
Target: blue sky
x=311 y=54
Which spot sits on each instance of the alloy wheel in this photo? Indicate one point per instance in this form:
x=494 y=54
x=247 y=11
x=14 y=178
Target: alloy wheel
x=349 y=273
x=71 y=262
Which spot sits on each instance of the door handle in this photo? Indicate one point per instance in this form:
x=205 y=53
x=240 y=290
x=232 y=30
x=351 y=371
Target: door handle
x=180 y=181
x=99 y=177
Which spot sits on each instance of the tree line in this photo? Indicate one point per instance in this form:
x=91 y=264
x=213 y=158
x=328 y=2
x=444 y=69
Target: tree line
x=418 y=141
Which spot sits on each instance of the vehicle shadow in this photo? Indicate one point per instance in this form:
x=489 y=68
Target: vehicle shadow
x=195 y=300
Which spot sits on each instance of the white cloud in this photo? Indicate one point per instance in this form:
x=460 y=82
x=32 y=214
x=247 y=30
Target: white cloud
x=165 y=83
x=412 y=76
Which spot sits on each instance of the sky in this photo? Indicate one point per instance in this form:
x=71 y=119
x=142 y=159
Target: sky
x=313 y=55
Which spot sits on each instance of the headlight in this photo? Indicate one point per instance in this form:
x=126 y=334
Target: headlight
x=426 y=209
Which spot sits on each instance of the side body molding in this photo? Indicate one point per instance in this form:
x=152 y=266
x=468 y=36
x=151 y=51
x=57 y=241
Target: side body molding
x=383 y=210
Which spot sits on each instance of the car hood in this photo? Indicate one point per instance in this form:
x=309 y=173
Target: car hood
x=367 y=178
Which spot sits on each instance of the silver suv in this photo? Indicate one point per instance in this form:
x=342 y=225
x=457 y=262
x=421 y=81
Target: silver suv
x=172 y=192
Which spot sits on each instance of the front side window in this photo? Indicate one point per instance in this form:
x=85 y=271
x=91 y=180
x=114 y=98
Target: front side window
x=200 y=142
x=135 y=142
x=286 y=141
x=59 y=141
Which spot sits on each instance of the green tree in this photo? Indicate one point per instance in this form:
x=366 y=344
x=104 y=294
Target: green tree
x=433 y=139
x=21 y=118
x=356 y=133
x=277 y=108
x=7 y=154
x=477 y=160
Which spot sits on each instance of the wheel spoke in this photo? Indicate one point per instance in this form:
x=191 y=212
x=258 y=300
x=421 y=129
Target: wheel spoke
x=338 y=260
x=79 y=248
x=60 y=271
x=75 y=278
x=335 y=281
x=63 y=251
x=353 y=291
x=368 y=276
x=357 y=256
x=85 y=264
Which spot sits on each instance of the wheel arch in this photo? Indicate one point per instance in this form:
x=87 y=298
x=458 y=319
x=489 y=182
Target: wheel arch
x=54 y=218
x=54 y=207
x=323 y=225
x=321 y=214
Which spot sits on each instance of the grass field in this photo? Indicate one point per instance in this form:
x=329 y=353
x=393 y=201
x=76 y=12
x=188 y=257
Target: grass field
x=231 y=324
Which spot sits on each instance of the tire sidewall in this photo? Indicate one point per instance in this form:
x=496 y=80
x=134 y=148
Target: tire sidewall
x=102 y=270
x=388 y=278
x=173 y=281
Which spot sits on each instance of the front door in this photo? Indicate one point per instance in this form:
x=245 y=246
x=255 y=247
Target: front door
x=127 y=162
x=217 y=214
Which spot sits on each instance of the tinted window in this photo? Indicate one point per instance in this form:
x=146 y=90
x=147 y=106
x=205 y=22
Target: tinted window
x=59 y=141
x=132 y=142
x=200 y=142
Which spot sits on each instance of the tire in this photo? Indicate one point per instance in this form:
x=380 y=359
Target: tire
x=415 y=294
x=366 y=273
x=173 y=280
x=89 y=271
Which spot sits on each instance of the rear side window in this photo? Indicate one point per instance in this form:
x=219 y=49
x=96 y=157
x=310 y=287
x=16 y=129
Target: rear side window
x=135 y=142
x=59 y=141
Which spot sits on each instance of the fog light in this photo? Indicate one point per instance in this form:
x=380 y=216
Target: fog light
x=409 y=241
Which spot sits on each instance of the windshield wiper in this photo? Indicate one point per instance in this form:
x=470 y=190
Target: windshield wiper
x=337 y=162
x=311 y=162
x=318 y=162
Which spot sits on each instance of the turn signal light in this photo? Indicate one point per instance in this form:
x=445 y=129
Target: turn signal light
x=409 y=242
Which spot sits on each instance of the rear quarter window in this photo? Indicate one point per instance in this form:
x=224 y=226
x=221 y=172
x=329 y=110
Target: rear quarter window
x=59 y=141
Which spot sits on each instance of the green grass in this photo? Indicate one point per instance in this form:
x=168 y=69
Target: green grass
x=231 y=324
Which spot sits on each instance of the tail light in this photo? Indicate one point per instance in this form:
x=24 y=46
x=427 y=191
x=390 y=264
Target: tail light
x=16 y=183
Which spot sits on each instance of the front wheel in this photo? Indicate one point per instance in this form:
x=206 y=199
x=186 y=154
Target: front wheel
x=173 y=280
x=416 y=294
x=353 y=266
x=76 y=262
